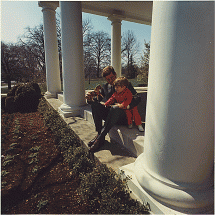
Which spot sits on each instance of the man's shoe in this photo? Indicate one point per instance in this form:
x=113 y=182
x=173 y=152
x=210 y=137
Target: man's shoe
x=97 y=144
x=92 y=141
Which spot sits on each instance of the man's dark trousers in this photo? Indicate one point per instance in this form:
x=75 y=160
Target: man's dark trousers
x=112 y=116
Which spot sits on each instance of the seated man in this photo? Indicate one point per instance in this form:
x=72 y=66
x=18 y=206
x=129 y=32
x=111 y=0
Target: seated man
x=112 y=116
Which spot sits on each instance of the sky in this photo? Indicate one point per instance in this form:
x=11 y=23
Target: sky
x=17 y=15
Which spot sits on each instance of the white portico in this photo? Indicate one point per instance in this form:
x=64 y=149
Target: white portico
x=176 y=167
x=72 y=43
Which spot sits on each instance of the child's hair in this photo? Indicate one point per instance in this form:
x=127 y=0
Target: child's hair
x=121 y=81
x=108 y=70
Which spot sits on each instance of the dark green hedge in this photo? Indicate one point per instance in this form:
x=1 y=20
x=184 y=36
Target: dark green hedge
x=100 y=186
x=23 y=98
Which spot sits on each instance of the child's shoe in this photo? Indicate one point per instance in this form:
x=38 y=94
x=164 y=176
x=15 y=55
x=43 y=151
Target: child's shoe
x=130 y=126
x=140 y=128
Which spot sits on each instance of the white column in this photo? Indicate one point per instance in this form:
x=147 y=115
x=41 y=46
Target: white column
x=116 y=43
x=51 y=48
x=176 y=167
x=72 y=58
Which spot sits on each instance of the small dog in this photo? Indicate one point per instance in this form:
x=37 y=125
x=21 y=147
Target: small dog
x=95 y=93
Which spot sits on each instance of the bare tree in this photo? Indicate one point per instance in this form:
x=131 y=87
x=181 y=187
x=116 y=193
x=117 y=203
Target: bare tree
x=9 y=65
x=33 y=41
x=25 y=60
x=144 y=70
x=98 y=45
x=86 y=27
x=89 y=61
x=146 y=55
x=89 y=66
x=31 y=70
x=130 y=48
x=17 y=64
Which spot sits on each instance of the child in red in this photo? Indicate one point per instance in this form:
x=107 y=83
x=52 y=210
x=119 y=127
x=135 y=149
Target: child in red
x=122 y=98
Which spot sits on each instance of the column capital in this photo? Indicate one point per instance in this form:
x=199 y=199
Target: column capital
x=115 y=18
x=52 y=5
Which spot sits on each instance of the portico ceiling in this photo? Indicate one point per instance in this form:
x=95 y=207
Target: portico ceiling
x=134 y=11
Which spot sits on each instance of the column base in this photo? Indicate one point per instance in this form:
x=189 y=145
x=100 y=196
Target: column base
x=185 y=198
x=49 y=95
x=68 y=111
x=156 y=206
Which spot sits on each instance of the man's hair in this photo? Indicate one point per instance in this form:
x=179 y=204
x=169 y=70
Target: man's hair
x=108 y=70
x=121 y=81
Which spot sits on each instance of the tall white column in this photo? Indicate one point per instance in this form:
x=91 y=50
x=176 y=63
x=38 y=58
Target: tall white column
x=176 y=167
x=51 y=48
x=116 y=43
x=72 y=58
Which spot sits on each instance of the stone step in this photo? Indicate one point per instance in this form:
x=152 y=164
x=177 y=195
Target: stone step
x=60 y=96
x=132 y=139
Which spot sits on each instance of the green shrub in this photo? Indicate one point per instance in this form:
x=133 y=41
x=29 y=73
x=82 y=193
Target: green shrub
x=107 y=193
x=43 y=87
x=65 y=136
x=78 y=160
x=10 y=105
x=23 y=98
x=27 y=97
x=68 y=141
x=3 y=98
x=12 y=91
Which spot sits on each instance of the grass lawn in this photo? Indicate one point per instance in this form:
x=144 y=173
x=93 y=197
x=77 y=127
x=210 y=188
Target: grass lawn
x=92 y=85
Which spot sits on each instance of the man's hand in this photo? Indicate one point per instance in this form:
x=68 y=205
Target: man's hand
x=120 y=105
x=97 y=92
x=89 y=96
x=103 y=104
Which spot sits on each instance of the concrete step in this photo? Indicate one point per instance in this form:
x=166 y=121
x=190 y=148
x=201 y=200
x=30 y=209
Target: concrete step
x=60 y=96
x=132 y=139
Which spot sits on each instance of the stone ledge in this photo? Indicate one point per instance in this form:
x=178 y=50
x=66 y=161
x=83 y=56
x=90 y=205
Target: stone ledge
x=132 y=139
x=111 y=153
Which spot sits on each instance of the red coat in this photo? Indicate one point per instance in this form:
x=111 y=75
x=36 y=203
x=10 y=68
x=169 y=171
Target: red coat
x=124 y=98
